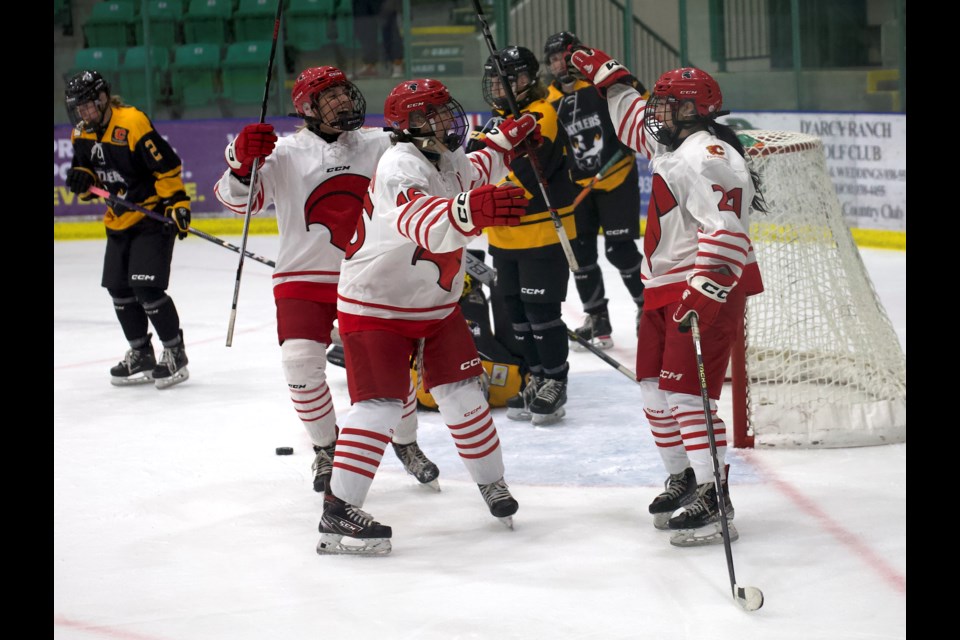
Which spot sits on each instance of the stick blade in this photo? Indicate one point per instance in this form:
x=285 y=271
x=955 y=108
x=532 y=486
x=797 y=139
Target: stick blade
x=749 y=598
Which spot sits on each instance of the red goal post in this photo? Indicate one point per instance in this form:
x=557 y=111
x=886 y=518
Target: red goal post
x=819 y=363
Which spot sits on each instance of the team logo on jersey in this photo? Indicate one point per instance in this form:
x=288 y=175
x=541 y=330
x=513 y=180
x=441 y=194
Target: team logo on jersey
x=96 y=152
x=119 y=134
x=715 y=150
x=336 y=204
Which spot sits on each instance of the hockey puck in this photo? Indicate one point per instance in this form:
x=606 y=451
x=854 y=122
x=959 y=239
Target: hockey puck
x=284 y=451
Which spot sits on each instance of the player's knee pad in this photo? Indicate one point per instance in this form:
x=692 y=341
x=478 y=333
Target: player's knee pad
x=150 y=296
x=623 y=255
x=458 y=400
x=542 y=313
x=515 y=308
x=663 y=426
x=379 y=416
x=585 y=249
x=304 y=362
x=304 y=368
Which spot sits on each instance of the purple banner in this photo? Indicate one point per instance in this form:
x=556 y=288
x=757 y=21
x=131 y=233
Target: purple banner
x=200 y=145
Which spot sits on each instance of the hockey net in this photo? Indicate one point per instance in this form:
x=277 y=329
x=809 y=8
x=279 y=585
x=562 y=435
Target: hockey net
x=820 y=364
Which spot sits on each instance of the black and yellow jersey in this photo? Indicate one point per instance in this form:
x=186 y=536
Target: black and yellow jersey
x=131 y=160
x=536 y=230
x=593 y=141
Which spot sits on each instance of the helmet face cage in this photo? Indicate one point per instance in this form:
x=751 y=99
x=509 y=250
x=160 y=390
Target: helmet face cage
x=424 y=109
x=324 y=96
x=520 y=67
x=673 y=90
x=83 y=88
x=558 y=43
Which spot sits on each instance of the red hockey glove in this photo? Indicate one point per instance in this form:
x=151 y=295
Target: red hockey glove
x=514 y=138
x=255 y=141
x=487 y=206
x=597 y=67
x=703 y=296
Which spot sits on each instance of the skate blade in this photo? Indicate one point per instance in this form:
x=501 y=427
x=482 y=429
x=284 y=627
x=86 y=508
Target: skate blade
x=333 y=544
x=144 y=377
x=543 y=420
x=704 y=536
x=180 y=376
x=661 y=521
x=600 y=342
x=507 y=522
x=433 y=485
x=518 y=414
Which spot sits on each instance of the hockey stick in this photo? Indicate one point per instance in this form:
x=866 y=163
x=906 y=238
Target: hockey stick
x=617 y=157
x=534 y=161
x=749 y=598
x=253 y=175
x=480 y=270
x=600 y=354
x=117 y=200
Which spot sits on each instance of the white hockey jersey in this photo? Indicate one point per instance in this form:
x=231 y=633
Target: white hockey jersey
x=698 y=219
x=317 y=188
x=406 y=261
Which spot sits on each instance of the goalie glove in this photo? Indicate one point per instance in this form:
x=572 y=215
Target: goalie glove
x=703 y=297
x=487 y=206
x=598 y=67
x=515 y=138
x=255 y=141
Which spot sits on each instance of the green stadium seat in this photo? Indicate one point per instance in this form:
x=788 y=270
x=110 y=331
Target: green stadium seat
x=307 y=24
x=208 y=21
x=110 y=25
x=165 y=19
x=195 y=74
x=133 y=76
x=245 y=70
x=253 y=20
x=106 y=60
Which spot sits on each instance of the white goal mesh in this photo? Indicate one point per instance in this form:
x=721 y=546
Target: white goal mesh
x=824 y=366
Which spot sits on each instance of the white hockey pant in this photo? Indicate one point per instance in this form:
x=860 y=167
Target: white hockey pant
x=304 y=366
x=467 y=414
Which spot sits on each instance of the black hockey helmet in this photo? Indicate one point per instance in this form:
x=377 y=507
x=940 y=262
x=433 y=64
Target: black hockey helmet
x=521 y=68
x=560 y=43
x=82 y=88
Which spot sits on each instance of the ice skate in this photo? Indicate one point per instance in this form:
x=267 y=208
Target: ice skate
x=518 y=407
x=136 y=367
x=699 y=523
x=679 y=490
x=172 y=368
x=498 y=499
x=366 y=536
x=547 y=407
x=418 y=464
x=596 y=330
x=322 y=467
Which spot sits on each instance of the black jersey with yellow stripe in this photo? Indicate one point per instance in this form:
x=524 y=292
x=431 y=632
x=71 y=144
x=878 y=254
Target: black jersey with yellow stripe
x=536 y=232
x=593 y=141
x=131 y=160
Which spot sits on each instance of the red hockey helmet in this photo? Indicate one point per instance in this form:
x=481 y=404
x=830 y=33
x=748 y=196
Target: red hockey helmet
x=424 y=109
x=675 y=88
x=344 y=109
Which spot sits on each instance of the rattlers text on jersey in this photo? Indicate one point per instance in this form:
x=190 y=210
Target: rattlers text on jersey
x=318 y=186
x=131 y=160
x=699 y=213
x=406 y=259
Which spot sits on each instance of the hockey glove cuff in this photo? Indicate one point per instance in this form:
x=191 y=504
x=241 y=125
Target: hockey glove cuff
x=703 y=297
x=255 y=141
x=487 y=206
x=513 y=138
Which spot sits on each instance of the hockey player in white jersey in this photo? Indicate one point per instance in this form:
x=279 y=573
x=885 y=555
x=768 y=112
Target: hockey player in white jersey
x=399 y=297
x=699 y=261
x=316 y=180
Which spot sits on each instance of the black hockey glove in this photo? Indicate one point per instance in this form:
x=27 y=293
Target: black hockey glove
x=80 y=179
x=179 y=212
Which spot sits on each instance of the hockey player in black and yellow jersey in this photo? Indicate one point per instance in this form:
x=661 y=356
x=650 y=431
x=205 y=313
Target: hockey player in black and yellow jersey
x=532 y=269
x=613 y=204
x=115 y=147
